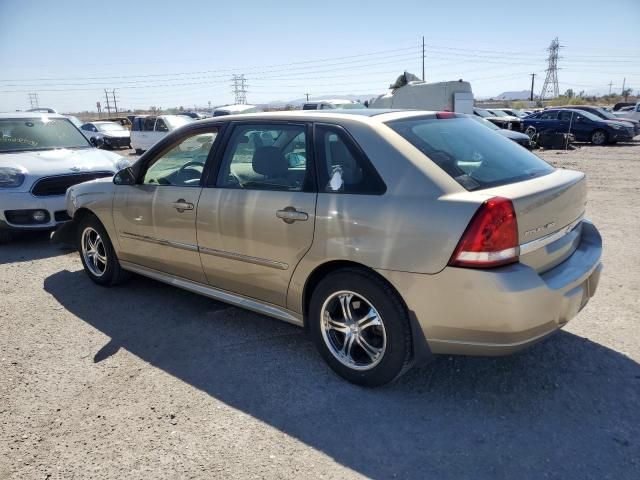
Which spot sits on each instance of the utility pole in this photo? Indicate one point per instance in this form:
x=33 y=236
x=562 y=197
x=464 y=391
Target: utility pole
x=106 y=96
x=33 y=100
x=115 y=104
x=610 y=85
x=307 y=95
x=423 y=58
x=550 y=87
x=624 y=81
x=533 y=76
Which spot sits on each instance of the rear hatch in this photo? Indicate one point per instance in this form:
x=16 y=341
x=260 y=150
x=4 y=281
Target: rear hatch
x=548 y=211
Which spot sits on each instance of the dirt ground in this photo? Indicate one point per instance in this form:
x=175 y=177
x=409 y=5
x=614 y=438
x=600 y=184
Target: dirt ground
x=148 y=381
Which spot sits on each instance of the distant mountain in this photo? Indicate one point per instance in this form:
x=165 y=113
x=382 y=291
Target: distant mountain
x=520 y=95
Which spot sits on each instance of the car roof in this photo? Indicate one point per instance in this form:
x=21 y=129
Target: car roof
x=18 y=115
x=364 y=115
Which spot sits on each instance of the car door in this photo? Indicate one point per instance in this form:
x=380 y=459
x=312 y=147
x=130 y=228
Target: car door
x=576 y=123
x=160 y=130
x=155 y=219
x=256 y=218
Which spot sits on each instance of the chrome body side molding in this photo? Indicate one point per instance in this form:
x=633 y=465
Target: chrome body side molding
x=547 y=239
x=222 y=295
x=207 y=251
x=244 y=258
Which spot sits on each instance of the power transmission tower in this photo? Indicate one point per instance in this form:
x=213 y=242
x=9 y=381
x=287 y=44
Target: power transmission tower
x=307 y=96
x=115 y=104
x=239 y=89
x=106 y=96
x=610 y=85
x=550 y=87
x=423 y=58
x=33 y=99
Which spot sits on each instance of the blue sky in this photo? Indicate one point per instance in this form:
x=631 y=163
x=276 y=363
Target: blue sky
x=184 y=53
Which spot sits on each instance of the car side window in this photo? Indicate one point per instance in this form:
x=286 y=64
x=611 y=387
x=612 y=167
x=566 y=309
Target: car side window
x=265 y=157
x=86 y=127
x=148 y=124
x=183 y=164
x=566 y=116
x=548 y=116
x=161 y=126
x=342 y=167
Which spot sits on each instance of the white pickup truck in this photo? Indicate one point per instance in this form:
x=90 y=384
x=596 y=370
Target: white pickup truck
x=149 y=129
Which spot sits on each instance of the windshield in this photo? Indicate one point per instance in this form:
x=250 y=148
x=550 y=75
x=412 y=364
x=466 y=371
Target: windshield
x=175 y=121
x=606 y=114
x=468 y=152
x=109 y=127
x=348 y=105
x=75 y=120
x=482 y=113
x=500 y=113
x=588 y=115
x=39 y=133
x=485 y=122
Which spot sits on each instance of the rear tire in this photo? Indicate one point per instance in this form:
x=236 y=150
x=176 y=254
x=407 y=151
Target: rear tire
x=360 y=327
x=98 y=257
x=599 y=137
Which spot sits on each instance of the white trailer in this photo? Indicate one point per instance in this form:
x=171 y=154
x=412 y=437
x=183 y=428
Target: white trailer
x=441 y=96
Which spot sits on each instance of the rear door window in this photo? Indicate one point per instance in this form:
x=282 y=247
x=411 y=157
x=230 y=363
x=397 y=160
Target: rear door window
x=471 y=154
x=342 y=166
x=148 y=124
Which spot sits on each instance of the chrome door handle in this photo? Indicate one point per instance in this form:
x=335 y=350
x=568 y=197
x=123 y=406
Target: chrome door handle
x=182 y=205
x=290 y=215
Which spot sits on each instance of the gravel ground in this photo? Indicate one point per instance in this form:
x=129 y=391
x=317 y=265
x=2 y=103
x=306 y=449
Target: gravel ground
x=148 y=381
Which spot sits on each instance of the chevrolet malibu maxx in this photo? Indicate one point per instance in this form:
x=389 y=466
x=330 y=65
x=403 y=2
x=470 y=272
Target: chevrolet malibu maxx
x=389 y=235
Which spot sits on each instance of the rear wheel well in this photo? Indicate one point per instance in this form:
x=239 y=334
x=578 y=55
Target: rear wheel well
x=325 y=269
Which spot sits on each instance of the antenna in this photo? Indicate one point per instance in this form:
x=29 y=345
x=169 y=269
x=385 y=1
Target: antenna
x=550 y=87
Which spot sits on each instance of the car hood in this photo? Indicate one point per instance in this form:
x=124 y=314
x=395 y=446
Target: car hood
x=116 y=134
x=620 y=122
x=59 y=162
x=512 y=134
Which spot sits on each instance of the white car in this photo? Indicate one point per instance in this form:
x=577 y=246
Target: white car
x=113 y=134
x=147 y=130
x=633 y=112
x=332 y=104
x=41 y=155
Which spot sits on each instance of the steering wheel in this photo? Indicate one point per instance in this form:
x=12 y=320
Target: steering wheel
x=188 y=173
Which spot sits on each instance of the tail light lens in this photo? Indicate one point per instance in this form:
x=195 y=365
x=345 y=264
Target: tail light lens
x=444 y=115
x=491 y=239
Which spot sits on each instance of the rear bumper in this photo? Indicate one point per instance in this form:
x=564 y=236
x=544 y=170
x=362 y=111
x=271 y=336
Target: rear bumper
x=503 y=310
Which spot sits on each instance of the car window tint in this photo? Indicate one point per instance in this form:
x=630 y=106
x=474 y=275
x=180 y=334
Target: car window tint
x=148 y=124
x=566 y=116
x=342 y=168
x=183 y=164
x=471 y=154
x=265 y=157
x=548 y=116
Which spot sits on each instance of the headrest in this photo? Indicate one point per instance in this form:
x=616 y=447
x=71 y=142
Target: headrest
x=270 y=161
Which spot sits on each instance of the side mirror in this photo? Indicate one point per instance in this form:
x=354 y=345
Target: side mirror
x=125 y=177
x=97 y=142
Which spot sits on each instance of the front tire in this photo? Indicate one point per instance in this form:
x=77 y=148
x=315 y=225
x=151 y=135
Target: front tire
x=599 y=137
x=360 y=327
x=97 y=254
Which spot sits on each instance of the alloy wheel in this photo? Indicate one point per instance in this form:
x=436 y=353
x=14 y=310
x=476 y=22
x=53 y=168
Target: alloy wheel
x=94 y=252
x=353 y=330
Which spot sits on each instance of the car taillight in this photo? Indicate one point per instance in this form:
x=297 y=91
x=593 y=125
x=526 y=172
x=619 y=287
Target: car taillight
x=491 y=238
x=444 y=115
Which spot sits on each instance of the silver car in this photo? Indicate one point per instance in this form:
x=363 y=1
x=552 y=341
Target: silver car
x=389 y=235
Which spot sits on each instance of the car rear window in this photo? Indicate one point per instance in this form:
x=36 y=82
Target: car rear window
x=471 y=154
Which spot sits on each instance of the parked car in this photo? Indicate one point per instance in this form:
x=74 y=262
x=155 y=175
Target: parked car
x=501 y=122
x=607 y=115
x=147 y=130
x=194 y=115
x=113 y=134
x=332 y=104
x=515 y=121
x=518 y=137
x=585 y=126
x=234 y=110
x=40 y=156
x=124 y=121
x=626 y=113
x=513 y=112
x=410 y=232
